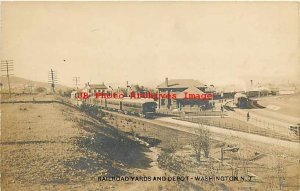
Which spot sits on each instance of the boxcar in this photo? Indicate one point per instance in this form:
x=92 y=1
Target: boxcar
x=142 y=107
x=113 y=104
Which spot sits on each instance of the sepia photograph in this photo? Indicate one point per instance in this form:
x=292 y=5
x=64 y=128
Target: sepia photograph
x=150 y=96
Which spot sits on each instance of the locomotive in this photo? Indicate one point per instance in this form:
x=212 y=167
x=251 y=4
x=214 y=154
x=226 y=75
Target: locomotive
x=139 y=107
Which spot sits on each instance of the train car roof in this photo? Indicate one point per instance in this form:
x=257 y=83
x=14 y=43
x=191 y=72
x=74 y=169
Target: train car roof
x=237 y=95
x=129 y=100
x=143 y=100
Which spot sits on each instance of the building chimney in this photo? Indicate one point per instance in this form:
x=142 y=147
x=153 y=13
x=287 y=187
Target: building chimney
x=167 y=82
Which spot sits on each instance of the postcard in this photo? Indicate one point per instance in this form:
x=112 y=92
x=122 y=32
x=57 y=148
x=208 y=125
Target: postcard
x=151 y=95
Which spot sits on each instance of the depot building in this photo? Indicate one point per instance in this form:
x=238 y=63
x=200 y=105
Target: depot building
x=186 y=91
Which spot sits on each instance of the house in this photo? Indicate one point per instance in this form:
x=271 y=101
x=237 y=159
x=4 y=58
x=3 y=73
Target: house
x=258 y=91
x=180 y=87
x=287 y=90
x=282 y=89
x=74 y=94
x=92 y=89
x=252 y=93
x=264 y=91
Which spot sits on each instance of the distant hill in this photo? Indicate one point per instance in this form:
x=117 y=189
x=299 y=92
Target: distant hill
x=24 y=85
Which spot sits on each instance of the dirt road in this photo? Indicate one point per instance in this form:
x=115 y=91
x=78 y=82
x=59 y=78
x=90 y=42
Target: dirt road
x=238 y=134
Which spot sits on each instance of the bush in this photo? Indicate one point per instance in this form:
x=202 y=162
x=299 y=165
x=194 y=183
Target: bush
x=40 y=89
x=170 y=162
x=201 y=143
x=92 y=110
x=67 y=93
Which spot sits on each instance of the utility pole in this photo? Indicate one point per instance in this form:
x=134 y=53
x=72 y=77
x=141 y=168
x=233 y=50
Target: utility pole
x=1 y=86
x=76 y=80
x=127 y=88
x=30 y=88
x=52 y=79
x=7 y=66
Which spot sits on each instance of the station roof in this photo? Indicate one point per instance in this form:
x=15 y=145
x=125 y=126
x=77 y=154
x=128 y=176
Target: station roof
x=190 y=90
x=237 y=95
x=97 y=86
x=181 y=83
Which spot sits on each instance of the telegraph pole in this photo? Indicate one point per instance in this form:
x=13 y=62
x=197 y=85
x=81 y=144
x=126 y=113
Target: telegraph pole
x=7 y=66
x=52 y=79
x=30 y=88
x=127 y=88
x=76 y=80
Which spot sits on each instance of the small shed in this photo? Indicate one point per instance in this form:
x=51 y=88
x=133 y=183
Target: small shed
x=73 y=94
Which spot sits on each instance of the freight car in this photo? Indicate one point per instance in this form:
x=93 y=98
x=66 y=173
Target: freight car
x=140 y=107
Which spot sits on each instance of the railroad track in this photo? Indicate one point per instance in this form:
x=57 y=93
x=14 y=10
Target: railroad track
x=228 y=108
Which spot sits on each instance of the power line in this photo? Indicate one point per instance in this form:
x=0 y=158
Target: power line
x=52 y=79
x=7 y=66
x=127 y=88
x=30 y=88
x=76 y=80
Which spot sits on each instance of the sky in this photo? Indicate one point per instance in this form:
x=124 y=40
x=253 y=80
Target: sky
x=144 y=42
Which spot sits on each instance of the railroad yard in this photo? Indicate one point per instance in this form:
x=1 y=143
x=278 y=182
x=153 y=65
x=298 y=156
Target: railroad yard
x=57 y=146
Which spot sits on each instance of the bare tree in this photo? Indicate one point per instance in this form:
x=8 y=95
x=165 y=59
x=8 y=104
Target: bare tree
x=167 y=158
x=277 y=177
x=197 y=149
x=201 y=143
x=280 y=172
x=245 y=162
x=172 y=144
x=235 y=165
x=205 y=135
